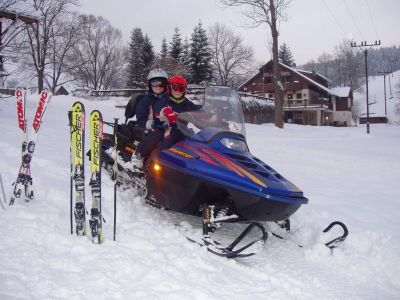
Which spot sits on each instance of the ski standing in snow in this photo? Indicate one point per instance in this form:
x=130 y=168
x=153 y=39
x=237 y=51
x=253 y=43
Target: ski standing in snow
x=96 y=133
x=24 y=178
x=77 y=150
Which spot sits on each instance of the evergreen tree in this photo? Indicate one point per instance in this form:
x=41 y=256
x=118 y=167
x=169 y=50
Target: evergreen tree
x=176 y=45
x=185 y=58
x=200 y=56
x=285 y=56
x=148 y=54
x=164 y=49
x=135 y=60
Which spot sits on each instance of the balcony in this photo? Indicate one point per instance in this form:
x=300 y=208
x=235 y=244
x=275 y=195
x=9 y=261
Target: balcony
x=307 y=103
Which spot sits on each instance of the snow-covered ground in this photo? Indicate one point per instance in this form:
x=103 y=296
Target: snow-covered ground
x=347 y=175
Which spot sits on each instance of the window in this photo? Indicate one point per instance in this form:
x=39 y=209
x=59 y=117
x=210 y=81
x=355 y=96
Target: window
x=290 y=96
x=298 y=96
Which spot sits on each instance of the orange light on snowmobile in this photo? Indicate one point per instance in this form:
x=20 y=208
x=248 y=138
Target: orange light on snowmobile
x=157 y=167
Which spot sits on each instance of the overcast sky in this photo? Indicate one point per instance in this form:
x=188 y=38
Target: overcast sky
x=313 y=26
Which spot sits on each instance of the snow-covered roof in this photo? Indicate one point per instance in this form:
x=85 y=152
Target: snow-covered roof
x=22 y=9
x=313 y=72
x=338 y=91
x=341 y=91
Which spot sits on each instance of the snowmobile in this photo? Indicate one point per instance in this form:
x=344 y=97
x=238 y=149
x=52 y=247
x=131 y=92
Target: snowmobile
x=213 y=175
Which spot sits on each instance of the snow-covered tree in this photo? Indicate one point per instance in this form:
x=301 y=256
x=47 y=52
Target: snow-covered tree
x=164 y=49
x=285 y=55
x=135 y=58
x=148 y=54
x=176 y=45
x=200 y=56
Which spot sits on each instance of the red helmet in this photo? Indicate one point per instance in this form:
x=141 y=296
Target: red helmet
x=177 y=80
x=178 y=84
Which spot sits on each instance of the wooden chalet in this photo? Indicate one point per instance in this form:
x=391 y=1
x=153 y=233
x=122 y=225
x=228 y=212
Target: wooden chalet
x=308 y=99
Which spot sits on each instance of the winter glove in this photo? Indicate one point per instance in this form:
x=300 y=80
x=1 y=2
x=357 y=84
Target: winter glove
x=168 y=116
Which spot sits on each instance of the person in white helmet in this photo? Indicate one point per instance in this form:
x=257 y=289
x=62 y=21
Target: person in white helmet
x=141 y=106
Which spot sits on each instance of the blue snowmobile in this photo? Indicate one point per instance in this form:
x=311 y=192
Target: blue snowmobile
x=213 y=175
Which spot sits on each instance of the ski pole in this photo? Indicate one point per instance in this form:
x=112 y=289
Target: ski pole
x=4 y=195
x=71 y=174
x=115 y=167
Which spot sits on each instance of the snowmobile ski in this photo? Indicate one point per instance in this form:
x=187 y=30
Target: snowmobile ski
x=334 y=243
x=96 y=132
x=77 y=187
x=234 y=250
x=24 y=178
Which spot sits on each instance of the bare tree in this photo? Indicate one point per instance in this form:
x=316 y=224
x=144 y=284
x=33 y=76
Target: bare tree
x=98 y=58
x=324 y=61
x=268 y=12
x=51 y=13
x=64 y=35
x=350 y=65
x=230 y=56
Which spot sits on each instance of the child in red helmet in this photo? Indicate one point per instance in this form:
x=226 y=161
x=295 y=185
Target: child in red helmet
x=165 y=133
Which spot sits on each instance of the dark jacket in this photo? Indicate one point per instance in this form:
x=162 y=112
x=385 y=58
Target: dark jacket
x=185 y=105
x=145 y=105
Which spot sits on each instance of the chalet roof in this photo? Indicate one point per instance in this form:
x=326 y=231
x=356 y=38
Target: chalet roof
x=296 y=71
x=339 y=92
x=313 y=72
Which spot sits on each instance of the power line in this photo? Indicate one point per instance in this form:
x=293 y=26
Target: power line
x=354 y=20
x=334 y=18
x=372 y=19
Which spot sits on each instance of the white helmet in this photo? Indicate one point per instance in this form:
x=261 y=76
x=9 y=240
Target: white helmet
x=157 y=73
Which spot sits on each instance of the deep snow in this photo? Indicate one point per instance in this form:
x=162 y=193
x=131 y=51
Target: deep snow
x=347 y=175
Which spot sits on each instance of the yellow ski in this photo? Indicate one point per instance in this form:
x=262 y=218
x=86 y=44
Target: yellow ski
x=77 y=148
x=96 y=132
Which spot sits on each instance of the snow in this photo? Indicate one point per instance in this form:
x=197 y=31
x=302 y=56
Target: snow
x=341 y=91
x=347 y=175
x=376 y=97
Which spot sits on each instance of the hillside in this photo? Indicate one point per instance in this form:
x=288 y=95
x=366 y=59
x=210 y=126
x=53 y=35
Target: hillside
x=376 y=96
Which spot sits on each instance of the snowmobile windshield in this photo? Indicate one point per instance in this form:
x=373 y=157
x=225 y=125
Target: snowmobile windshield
x=221 y=108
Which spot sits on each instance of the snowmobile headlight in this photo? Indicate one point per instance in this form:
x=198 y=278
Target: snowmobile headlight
x=234 y=144
x=157 y=167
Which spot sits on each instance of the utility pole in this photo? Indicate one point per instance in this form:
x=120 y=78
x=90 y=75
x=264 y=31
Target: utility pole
x=384 y=73
x=365 y=45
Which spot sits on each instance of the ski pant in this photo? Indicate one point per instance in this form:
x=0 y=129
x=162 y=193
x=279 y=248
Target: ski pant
x=157 y=140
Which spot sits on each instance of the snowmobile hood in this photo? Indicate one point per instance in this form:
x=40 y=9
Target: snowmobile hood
x=223 y=158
